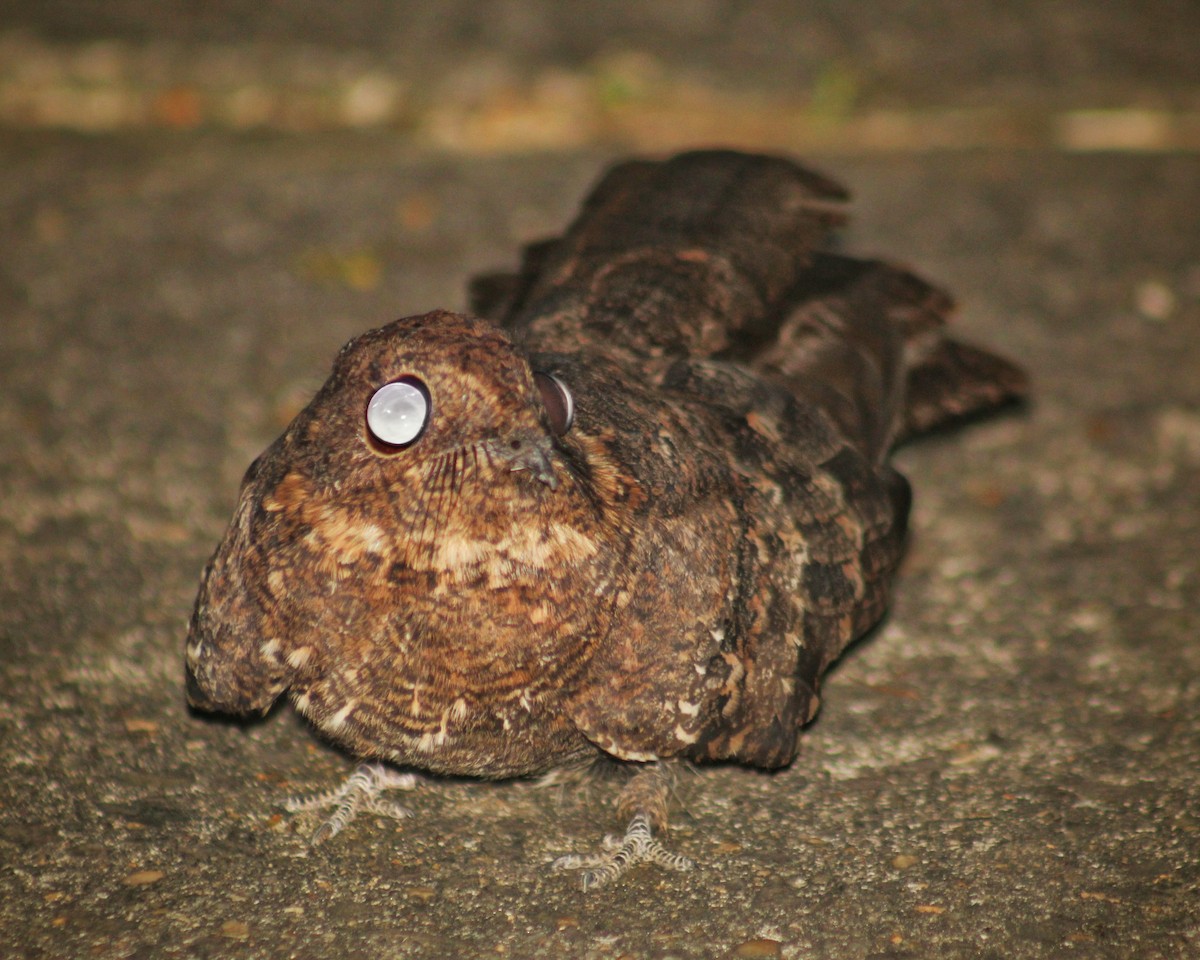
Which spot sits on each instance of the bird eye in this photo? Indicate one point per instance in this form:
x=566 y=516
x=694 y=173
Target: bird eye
x=557 y=399
x=398 y=412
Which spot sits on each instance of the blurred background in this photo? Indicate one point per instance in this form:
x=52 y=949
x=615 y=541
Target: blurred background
x=514 y=75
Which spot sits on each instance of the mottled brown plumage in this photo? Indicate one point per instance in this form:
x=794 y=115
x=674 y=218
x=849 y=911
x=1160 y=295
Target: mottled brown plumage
x=666 y=577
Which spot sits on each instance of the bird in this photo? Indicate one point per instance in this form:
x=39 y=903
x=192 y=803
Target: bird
x=628 y=508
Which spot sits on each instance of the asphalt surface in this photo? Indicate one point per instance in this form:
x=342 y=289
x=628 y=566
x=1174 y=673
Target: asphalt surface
x=1007 y=769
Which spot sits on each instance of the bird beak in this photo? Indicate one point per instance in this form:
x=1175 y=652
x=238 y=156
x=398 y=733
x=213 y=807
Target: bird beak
x=532 y=454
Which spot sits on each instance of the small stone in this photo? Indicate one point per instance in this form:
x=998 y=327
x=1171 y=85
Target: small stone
x=142 y=878
x=760 y=947
x=902 y=861
x=1154 y=300
x=235 y=930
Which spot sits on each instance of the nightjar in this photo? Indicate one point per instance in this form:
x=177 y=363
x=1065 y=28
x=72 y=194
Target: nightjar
x=633 y=506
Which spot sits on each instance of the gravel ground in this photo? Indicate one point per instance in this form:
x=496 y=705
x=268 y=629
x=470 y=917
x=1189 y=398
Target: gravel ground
x=1006 y=769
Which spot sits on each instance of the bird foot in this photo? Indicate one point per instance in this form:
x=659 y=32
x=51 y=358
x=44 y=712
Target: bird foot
x=620 y=853
x=361 y=792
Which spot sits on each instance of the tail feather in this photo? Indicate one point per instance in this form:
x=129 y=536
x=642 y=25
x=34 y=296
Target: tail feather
x=955 y=381
x=866 y=341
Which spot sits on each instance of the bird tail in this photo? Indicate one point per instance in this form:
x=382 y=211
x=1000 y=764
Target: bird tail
x=866 y=341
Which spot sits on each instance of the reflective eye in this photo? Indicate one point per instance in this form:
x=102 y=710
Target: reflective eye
x=557 y=399
x=398 y=412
